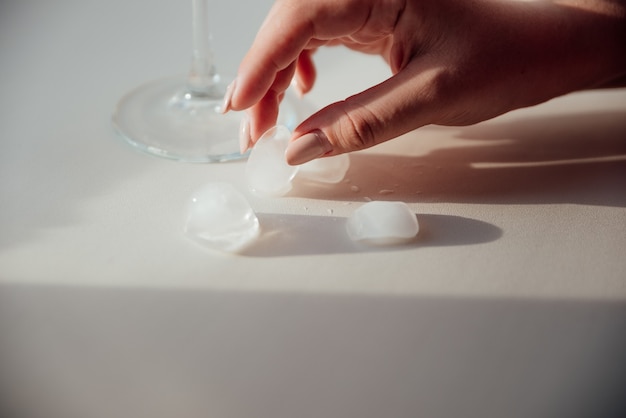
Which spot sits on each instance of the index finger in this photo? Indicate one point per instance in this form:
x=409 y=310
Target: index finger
x=291 y=27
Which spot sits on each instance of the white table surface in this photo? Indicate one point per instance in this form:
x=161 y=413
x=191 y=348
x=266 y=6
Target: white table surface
x=511 y=302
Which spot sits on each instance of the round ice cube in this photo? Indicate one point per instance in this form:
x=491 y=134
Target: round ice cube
x=326 y=170
x=220 y=217
x=382 y=223
x=267 y=171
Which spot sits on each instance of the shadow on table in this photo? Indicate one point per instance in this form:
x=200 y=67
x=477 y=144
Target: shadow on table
x=122 y=352
x=284 y=235
x=574 y=158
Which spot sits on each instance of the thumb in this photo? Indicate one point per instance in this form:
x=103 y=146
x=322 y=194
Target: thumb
x=398 y=105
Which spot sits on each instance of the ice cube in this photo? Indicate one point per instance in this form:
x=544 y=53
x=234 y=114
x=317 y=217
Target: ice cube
x=326 y=170
x=220 y=217
x=382 y=223
x=267 y=171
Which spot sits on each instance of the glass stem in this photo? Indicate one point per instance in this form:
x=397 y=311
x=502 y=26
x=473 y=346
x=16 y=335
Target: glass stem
x=203 y=75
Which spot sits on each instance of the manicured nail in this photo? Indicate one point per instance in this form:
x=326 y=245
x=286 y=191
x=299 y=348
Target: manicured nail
x=245 y=141
x=228 y=96
x=308 y=147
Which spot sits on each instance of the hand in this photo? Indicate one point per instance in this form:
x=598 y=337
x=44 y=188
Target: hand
x=454 y=62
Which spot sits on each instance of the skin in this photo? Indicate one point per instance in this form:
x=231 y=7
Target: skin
x=454 y=62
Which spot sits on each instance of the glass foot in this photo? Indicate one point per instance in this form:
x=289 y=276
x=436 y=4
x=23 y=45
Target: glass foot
x=161 y=118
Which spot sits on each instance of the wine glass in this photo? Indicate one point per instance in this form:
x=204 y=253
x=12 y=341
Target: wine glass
x=181 y=118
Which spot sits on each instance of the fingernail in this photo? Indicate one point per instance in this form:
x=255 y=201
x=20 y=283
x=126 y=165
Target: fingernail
x=228 y=96
x=245 y=141
x=308 y=147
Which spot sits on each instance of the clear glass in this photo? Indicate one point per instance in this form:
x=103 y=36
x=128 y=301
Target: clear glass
x=181 y=118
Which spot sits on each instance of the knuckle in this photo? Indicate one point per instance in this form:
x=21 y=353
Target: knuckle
x=454 y=99
x=360 y=127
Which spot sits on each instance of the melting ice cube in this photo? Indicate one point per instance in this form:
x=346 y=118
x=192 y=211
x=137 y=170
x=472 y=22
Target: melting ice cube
x=382 y=223
x=267 y=171
x=326 y=170
x=220 y=217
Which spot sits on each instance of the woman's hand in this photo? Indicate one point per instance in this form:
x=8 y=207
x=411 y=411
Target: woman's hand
x=454 y=62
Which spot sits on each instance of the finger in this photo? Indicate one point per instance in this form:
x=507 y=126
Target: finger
x=265 y=112
x=305 y=72
x=291 y=27
x=263 y=115
x=412 y=98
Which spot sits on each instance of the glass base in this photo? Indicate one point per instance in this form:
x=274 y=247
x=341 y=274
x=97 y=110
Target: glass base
x=161 y=118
